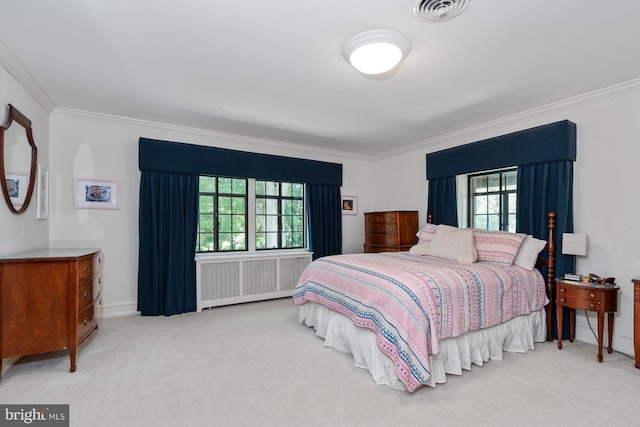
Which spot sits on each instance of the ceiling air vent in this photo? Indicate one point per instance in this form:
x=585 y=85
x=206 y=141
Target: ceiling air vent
x=439 y=10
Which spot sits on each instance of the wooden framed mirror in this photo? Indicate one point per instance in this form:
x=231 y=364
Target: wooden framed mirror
x=18 y=161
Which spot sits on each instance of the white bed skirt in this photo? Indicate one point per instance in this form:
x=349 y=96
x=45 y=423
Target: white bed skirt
x=456 y=354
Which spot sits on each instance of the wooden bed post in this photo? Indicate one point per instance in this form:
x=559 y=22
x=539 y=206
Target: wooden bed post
x=550 y=274
x=429 y=219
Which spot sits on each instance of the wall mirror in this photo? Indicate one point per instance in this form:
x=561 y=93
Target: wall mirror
x=18 y=161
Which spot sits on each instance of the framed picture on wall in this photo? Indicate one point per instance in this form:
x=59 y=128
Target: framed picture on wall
x=91 y=194
x=17 y=185
x=349 y=205
x=42 y=193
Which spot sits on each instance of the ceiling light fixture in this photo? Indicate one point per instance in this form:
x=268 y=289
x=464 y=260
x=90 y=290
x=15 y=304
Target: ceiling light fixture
x=376 y=51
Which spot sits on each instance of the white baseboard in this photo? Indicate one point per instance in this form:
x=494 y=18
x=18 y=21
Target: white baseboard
x=622 y=341
x=118 y=309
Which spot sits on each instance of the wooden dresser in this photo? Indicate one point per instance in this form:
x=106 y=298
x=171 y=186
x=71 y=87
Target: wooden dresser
x=48 y=300
x=392 y=231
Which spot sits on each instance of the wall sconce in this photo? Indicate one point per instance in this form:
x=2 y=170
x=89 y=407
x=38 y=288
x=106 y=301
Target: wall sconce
x=376 y=51
x=575 y=245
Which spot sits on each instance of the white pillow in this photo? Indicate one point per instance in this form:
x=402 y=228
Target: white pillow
x=426 y=233
x=455 y=244
x=528 y=253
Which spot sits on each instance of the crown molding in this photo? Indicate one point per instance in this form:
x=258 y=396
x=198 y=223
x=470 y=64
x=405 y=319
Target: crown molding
x=21 y=73
x=89 y=116
x=445 y=141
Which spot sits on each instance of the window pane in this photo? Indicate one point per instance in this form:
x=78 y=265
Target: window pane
x=206 y=204
x=286 y=207
x=480 y=204
x=238 y=205
x=512 y=223
x=260 y=206
x=224 y=205
x=512 y=203
x=261 y=241
x=206 y=223
x=298 y=223
x=493 y=183
x=493 y=222
x=272 y=206
x=480 y=221
x=272 y=188
x=224 y=242
x=479 y=185
x=272 y=240
x=239 y=242
x=224 y=223
x=238 y=224
x=224 y=185
x=239 y=186
x=260 y=188
x=511 y=181
x=297 y=207
x=493 y=203
x=272 y=223
x=207 y=184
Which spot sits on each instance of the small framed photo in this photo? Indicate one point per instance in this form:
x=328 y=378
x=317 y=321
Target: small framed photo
x=42 y=193
x=91 y=194
x=349 y=205
x=18 y=185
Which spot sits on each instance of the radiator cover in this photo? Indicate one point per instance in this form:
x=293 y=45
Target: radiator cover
x=232 y=279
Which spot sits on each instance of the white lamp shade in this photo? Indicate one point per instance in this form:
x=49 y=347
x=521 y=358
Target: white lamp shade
x=575 y=244
x=376 y=51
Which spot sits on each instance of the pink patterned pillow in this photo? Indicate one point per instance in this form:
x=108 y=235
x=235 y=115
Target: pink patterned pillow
x=497 y=246
x=426 y=233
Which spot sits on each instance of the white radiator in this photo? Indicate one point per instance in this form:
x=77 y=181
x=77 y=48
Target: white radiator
x=231 y=279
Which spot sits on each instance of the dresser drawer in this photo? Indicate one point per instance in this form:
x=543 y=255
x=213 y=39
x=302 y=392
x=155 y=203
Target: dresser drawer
x=86 y=322
x=381 y=229
x=88 y=266
x=381 y=239
x=582 y=298
x=85 y=294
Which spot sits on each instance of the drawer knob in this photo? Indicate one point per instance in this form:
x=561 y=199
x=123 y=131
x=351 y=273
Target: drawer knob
x=86 y=321
x=561 y=299
x=86 y=268
x=592 y=296
x=592 y=305
x=86 y=294
x=562 y=290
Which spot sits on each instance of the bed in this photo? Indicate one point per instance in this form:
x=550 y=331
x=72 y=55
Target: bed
x=458 y=297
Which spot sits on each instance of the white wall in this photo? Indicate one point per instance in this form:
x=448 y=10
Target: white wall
x=19 y=233
x=91 y=146
x=606 y=195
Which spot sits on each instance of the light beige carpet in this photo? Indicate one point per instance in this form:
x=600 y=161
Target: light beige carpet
x=254 y=365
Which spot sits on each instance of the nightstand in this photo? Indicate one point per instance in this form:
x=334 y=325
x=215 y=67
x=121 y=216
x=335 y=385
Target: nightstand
x=590 y=297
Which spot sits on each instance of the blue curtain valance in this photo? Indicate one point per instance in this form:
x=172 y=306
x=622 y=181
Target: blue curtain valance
x=542 y=144
x=166 y=156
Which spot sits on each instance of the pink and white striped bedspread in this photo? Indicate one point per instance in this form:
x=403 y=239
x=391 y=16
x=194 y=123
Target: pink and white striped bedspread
x=411 y=302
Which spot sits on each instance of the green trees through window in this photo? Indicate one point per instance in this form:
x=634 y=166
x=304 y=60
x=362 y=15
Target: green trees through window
x=493 y=200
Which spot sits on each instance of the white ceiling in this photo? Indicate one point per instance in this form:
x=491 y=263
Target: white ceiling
x=274 y=69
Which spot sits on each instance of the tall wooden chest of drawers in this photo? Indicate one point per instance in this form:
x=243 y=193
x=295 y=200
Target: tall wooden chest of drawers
x=48 y=300
x=392 y=231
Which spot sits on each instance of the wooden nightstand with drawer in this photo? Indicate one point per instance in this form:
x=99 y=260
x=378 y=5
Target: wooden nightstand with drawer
x=590 y=297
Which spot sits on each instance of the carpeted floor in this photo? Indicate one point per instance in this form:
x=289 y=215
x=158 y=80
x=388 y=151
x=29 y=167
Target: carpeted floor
x=254 y=365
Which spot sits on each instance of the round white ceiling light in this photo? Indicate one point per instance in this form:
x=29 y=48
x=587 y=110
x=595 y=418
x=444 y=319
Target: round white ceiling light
x=376 y=51
x=439 y=10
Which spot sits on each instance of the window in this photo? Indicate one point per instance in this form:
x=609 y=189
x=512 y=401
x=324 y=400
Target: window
x=222 y=221
x=279 y=215
x=492 y=200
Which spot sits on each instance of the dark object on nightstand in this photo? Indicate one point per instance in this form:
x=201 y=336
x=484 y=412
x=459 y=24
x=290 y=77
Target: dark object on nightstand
x=636 y=319
x=602 y=298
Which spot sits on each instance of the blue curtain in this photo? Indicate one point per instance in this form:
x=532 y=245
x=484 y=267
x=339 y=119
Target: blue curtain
x=168 y=219
x=325 y=220
x=543 y=188
x=442 y=203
